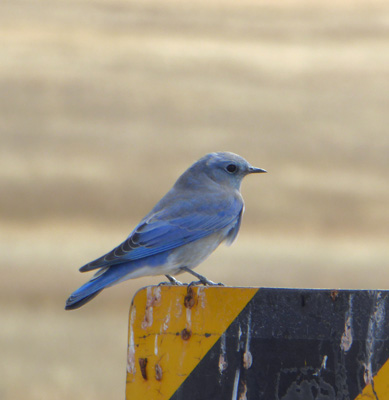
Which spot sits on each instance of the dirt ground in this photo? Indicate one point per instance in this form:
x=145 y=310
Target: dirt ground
x=104 y=103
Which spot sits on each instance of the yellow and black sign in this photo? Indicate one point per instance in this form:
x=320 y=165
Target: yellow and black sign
x=195 y=342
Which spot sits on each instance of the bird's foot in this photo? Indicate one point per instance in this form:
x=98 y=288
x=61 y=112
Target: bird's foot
x=207 y=282
x=172 y=281
x=195 y=283
x=201 y=279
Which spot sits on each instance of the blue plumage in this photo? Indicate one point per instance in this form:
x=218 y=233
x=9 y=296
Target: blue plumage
x=203 y=209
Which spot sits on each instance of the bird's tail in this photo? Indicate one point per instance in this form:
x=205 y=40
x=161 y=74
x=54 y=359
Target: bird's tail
x=103 y=278
x=72 y=303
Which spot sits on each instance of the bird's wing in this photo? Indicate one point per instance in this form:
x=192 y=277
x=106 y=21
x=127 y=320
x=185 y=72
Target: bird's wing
x=173 y=227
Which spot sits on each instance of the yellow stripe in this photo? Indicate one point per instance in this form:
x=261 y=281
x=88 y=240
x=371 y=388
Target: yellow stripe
x=171 y=330
x=381 y=386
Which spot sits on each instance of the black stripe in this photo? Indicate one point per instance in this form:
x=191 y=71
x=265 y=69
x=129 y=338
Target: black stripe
x=293 y=334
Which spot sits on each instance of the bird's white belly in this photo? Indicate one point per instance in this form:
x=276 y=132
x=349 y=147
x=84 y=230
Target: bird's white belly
x=192 y=254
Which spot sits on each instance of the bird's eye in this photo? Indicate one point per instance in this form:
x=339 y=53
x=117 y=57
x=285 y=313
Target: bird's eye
x=231 y=168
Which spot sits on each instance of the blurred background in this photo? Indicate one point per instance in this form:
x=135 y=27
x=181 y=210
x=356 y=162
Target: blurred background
x=103 y=104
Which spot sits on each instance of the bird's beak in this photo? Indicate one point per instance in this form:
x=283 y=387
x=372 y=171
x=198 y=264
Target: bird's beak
x=254 y=170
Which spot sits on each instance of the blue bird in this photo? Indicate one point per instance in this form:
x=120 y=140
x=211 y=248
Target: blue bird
x=203 y=209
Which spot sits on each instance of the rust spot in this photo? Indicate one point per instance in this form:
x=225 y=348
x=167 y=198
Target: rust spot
x=334 y=294
x=190 y=298
x=158 y=372
x=142 y=364
x=247 y=360
x=242 y=390
x=186 y=334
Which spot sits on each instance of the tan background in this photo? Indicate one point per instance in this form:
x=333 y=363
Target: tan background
x=104 y=103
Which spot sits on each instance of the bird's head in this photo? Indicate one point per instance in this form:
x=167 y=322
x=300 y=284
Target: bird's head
x=224 y=168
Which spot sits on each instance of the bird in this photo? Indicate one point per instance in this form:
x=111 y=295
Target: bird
x=203 y=209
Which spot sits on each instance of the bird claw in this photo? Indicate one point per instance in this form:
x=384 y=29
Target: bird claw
x=207 y=282
x=194 y=283
x=172 y=281
x=201 y=279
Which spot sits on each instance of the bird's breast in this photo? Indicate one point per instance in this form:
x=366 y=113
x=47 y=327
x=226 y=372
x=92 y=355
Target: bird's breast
x=192 y=254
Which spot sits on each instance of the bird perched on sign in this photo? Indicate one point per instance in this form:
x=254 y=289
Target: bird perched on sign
x=203 y=209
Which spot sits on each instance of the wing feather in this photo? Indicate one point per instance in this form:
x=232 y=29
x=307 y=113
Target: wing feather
x=174 y=226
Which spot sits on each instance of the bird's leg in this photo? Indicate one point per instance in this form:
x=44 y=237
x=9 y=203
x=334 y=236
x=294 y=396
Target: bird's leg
x=201 y=278
x=194 y=283
x=173 y=280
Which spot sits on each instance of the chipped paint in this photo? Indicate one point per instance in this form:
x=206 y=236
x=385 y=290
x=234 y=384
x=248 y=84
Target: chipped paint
x=324 y=363
x=323 y=366
x=239 y=336
x=148 y=318
x=243 y=394
x=236 y=384
x=178 y=308
x=156 y=345
x=347 y=337
x=153 y=299
x=367 y=374
x=131 y=344
x=188 y=318
x=374 y=332
x=247 y=360
x=202 y=298
x=223 y=364
x=165 y=324
x=247 y=356
x=157 y=294
x=158 y=372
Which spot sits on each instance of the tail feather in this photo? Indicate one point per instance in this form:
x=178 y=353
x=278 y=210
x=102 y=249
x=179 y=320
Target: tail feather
x=73 y=304
x=103 y=278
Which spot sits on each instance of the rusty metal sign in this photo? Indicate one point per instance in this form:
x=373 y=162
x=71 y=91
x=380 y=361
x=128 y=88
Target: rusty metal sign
x=249 y=343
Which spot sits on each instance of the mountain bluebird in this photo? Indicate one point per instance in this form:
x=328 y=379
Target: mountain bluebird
x=203 y=209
